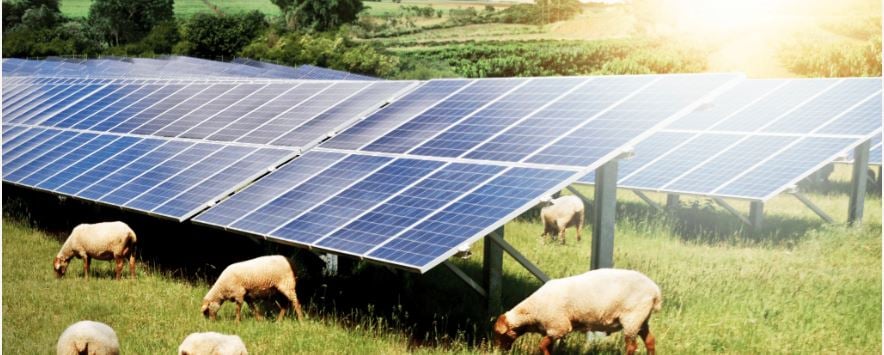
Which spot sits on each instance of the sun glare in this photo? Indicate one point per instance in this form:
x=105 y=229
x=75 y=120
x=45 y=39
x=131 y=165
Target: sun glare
x=723 y=15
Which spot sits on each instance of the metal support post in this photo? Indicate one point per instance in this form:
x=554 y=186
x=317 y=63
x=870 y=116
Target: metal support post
x=756 y=215
x=605 y=207
x=672 y=201
x=521 y=259
x=466 y=278
x=492 y=274
x=858 y=185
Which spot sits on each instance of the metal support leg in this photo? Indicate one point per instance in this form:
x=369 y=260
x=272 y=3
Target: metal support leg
x=756 y=215
x=492 y=273
x=521 y=259
x=732 y=210
x=858 y=186
x=648 y=200
x=672 y=201
x=605 y=206
x=807 y=202
x=466 y=278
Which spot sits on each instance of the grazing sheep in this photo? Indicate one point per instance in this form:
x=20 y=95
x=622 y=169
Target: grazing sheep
x=102 y=241
x=606 y=300
x=559 y=214
x=88 y=337
x=212 y=343
x=252 y=279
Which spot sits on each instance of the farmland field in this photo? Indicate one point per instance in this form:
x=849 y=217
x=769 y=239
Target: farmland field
x=799 y=287
x=184 y=8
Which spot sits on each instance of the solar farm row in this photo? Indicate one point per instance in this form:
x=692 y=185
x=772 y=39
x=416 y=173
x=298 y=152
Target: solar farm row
x=170 y=67
x=757 y=139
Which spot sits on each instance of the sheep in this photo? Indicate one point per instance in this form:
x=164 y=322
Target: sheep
x=102 y=241
x=88 y=337
x=212 y=343
x=605 y=300
x=559 y=214
x=252 y=279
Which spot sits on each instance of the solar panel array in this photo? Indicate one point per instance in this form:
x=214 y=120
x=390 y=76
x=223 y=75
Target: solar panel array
x=757 y=139
x=170 y=147
x=169 y=67
x=452 y=161
x=292 y=114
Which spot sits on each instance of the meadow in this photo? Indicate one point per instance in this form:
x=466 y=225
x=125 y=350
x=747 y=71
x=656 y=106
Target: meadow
x=800 y=286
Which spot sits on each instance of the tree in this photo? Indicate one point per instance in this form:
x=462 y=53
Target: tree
x=319 y=15
x=43 y=13
x=124 y=21
x=212 y=36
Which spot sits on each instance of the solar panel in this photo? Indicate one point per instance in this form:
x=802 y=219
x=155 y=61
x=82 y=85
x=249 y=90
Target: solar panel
x=293 y=114
x=399 y=205
x=165 y=177
x=757 y=139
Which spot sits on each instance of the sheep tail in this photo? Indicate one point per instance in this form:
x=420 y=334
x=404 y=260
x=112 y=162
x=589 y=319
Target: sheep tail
x=658 y=303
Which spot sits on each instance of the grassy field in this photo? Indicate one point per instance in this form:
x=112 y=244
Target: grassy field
x=799 y=287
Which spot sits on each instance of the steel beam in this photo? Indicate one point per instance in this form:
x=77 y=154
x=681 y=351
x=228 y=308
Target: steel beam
x=672 y=201
x=732 y=210
x=466 y=278
x=604 y=209
x=649 y=201
x=807 y=202
x=521 y=259
x=858 y=184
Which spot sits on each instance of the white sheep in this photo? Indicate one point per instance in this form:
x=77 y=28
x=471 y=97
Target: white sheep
x=606 y=300
x=559 y=214
x=249 y=280
x=102 y=241
x=88 y=337
x=212 y=343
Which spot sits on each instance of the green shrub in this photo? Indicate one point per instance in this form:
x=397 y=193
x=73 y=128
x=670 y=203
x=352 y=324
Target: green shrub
x=815 y=59
x=213 y=36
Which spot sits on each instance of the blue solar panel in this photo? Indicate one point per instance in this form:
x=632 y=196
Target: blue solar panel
x=169 y=178
x=40 y=113
x=799 y=116
x=436 y=119
x=785 y=168
x=875 y=152
x=257 y=98
x=141 y=111
x=395 y=114
x=497 y=116
x=177 y=105
x=101 y=118
x=469 y=217
x=211 y=106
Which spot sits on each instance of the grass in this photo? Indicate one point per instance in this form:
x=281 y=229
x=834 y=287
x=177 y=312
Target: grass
x=799 y=287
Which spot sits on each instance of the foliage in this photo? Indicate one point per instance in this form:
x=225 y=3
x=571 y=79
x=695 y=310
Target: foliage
x=542 y=12
x=70 y=38
x=819 y=59
x=126 y=21
x=213 y=36
x=160 y=40
x=543 y=58
x=319 y=15
x=31 y=13
x=331 y=50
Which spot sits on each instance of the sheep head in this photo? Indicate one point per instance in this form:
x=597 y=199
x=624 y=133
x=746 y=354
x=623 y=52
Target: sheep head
x=60 y=265
x=504 y=334
x=210 y=309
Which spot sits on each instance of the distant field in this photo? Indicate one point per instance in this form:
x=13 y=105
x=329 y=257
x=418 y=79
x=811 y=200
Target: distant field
x=183 y=8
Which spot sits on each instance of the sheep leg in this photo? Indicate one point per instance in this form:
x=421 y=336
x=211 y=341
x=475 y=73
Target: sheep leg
x=238 y=310
x=631 y=345
x=118 y=270
x=132 y=265
x=255 y=310
x=546 y=344
x=282 y=311
x=562 y=235
x=86 y=267
x=580 y=220
x=650 y=342
x=293 y=298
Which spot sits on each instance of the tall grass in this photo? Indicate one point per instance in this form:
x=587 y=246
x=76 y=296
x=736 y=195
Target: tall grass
x=801 y=286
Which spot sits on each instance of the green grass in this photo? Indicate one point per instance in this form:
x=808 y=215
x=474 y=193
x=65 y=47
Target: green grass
x=799 y=287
